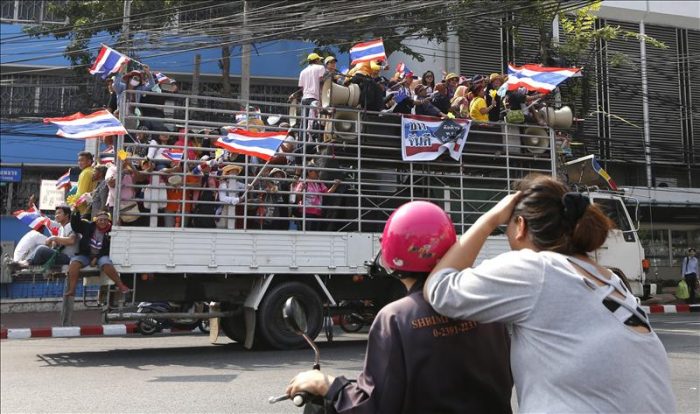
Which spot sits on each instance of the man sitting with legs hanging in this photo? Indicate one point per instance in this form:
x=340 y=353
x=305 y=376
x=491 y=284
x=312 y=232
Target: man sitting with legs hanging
x=93 y=250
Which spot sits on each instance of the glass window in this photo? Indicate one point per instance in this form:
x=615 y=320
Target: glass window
x=655 y=244
x=617 y=212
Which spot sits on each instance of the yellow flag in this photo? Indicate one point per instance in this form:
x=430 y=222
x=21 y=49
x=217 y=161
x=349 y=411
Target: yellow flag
x=122 y=155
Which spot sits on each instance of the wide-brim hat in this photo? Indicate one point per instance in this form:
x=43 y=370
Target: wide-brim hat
x=129 y=75
x=451 y=76
x=495 y=76
x=252 y=124
x=230 y=169
x=175 y=180
x=278 y=170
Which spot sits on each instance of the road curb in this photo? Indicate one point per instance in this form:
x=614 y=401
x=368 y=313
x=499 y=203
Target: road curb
x=671 y=308
x=75 y=331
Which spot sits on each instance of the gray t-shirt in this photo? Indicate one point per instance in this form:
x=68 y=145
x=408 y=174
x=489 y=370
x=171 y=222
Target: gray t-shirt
x=569 y=353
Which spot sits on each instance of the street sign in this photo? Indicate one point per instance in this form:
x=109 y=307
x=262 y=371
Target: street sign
x=11 y=174
x=50 y=196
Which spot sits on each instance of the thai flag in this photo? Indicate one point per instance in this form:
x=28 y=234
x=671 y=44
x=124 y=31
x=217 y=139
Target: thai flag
x=107 y=156
x=263 y=145
x=173 y=155
x=32 y=218
x=108 y=61
x=63 y=181
x=364 y=52
x=161 y=79
x=96 y=124
x=537 y=78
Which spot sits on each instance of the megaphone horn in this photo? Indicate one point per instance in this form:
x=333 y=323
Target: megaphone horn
x=333 y=94
x=535 y=139
x=344 y=124
x=558 y=118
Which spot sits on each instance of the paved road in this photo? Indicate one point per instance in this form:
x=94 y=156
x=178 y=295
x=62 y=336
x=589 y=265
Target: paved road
x=185 y=374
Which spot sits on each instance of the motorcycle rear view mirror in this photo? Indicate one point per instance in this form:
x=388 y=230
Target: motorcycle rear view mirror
x=294 y=316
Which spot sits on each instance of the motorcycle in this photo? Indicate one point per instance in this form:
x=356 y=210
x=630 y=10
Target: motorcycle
x=295 y=318
x=356 y=315
x=152 y=325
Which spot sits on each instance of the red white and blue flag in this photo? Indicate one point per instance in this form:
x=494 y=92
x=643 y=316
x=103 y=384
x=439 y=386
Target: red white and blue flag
x=108 y=61
x=403 y=70
x=63 y=181
x=161 y=78
x=263 y=145
x=173 y=155
x=537 y=78
x=366 y=51
x=32 y=218
x=107 y=156
x=97 y=124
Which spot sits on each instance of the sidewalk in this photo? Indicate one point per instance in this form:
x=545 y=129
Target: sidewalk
x=46 y=319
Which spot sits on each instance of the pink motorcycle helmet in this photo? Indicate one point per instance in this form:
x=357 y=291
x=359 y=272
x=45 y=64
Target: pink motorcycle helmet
x=415 y=237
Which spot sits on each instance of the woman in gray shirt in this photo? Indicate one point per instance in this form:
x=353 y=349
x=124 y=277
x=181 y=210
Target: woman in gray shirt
x=580 y=341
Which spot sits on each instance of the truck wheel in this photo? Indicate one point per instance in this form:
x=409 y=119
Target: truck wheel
x=271 y=328
x=233 y=326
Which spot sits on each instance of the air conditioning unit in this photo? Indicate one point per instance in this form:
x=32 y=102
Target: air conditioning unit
x=666 y=182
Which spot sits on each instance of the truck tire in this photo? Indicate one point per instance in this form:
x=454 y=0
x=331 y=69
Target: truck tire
x=271 y=328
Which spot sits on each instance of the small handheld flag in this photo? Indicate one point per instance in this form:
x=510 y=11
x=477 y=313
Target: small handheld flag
x=97 y=124
x=161 y=78
x=108 y=61
x=107 y=156
x=173 y=155
x=367 y=51
x=63 y=181
x=263 y=145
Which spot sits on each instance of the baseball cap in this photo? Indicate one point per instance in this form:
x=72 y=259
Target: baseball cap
x=313 y=56
x=328 y=59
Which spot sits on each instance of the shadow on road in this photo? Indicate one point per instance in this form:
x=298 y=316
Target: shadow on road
x=224 y=356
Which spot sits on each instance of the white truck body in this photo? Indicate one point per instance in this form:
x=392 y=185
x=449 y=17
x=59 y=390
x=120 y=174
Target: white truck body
x=252 y=270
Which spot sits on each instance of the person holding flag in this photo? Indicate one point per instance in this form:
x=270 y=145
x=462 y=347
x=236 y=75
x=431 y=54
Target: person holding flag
x=85 y=181
x=56 y=250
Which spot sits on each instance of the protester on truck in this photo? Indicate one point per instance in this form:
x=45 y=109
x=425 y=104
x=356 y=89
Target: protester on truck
x=85 y=181
x=459 y=105
x=112 y=98
x=205 y=207
x=428 y=80
x=157 y=151
x=424 y=105
x=520 y=100
x=451 y=82
x=100 y=193
x=309 y=194
x=28 y=244
x=310 y=81
x=272 y=210
x=231 y=193
x=401 y=94
x=416 y=360
x=478 y=111
x=93 y=250
x=581 y=342
x=440 y=98
x=495 y=82
x=58 y=249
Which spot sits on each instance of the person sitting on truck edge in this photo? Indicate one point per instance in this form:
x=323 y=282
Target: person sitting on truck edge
x=85 y=182
x=309 y=196
x=570 y=316
x=93 y=250
x=410 y=345
x=689 y=271
x=65 y=243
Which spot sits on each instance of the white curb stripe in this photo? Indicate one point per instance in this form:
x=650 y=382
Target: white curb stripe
x=646 y=309
x=19 y=333
x=670 y=309
x=65 y=331
x=114 y=330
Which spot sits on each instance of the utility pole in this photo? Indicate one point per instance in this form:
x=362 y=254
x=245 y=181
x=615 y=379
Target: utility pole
x=245 y=55
x=125 y=26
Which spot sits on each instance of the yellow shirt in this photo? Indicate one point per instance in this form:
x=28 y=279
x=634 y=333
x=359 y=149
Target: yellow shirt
x=474 y=107
x=85 y=185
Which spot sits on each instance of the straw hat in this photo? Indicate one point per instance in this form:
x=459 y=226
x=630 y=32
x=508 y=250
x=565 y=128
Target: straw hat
x=231 y=169
x=131 y=74
x=175 y=180
x=278 y=170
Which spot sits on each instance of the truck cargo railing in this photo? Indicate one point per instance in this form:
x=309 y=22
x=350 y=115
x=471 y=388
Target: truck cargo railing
x=361 y=149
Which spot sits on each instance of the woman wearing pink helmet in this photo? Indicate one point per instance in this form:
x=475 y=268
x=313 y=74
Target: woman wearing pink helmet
x=418 y=361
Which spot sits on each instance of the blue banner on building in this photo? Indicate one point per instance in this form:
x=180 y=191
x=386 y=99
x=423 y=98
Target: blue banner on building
x=10 y=174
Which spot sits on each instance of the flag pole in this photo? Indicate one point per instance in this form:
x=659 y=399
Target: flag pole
x=257 y=176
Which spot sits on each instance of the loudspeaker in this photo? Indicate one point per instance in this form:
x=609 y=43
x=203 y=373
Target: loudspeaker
x=536 y=139
x=343 y=126
x=333 y=94
x=558 y=118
